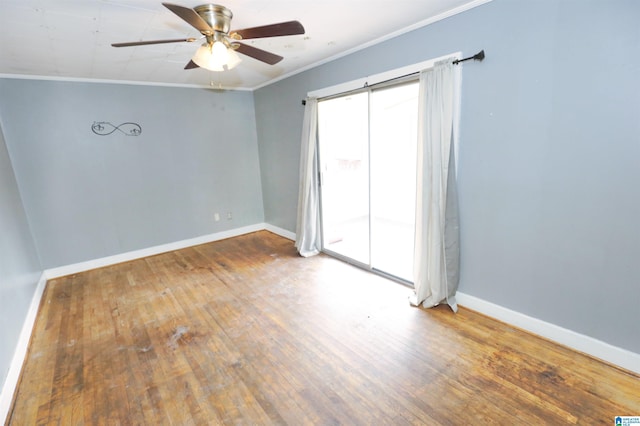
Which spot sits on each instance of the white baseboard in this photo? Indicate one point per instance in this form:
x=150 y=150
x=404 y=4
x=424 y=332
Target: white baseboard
x=11 y=382
x=579 y=342
x=282 y=232
x=151 y=251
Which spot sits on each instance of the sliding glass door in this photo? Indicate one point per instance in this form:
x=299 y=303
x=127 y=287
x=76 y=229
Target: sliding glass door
x=367 y=144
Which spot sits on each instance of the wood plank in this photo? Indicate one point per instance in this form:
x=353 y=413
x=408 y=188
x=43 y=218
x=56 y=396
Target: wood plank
x=244 y=331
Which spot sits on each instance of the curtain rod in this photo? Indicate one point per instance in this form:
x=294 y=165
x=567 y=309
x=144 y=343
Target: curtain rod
x=477 y=57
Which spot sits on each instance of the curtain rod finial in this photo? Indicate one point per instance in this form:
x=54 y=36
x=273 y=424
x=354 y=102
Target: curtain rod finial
x=477 y=57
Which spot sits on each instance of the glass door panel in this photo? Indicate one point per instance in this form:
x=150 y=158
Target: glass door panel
x=343 y=131
x=393 y=146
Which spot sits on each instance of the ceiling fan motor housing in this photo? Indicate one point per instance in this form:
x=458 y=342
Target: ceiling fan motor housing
x=218 y=17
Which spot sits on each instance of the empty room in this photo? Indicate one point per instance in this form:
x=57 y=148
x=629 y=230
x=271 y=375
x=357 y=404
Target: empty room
x=307 y=212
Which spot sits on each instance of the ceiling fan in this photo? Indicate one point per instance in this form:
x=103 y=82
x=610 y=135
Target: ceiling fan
x=219 y=51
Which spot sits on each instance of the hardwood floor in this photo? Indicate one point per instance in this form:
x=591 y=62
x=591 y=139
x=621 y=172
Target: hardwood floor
x=243 y=331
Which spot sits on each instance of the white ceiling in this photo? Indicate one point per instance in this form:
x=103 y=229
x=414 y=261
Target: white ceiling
x=71 y=39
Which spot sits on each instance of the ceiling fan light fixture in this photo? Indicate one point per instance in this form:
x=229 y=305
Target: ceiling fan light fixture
x=216 y=56
x=203 y=57
x=219 y=55
x=234 y=58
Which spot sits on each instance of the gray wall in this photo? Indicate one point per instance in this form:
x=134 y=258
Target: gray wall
x=19 y=263
x=90 y=196
x=549 y=166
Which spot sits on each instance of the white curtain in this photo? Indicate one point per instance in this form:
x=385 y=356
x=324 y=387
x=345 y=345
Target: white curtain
x=436 y=245
x=308 y=223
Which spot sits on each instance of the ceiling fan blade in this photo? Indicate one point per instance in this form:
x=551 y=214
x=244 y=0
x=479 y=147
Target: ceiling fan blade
x=273 y=30
x=190 y=17
x=191 y=65
x=143 y=43
x=259 y=54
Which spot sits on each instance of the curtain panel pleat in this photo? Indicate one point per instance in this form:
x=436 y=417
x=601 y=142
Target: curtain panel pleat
x=308 y=221
x=436 y=245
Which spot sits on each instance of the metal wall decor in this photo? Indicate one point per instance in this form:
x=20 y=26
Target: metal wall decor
x=104 y=128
